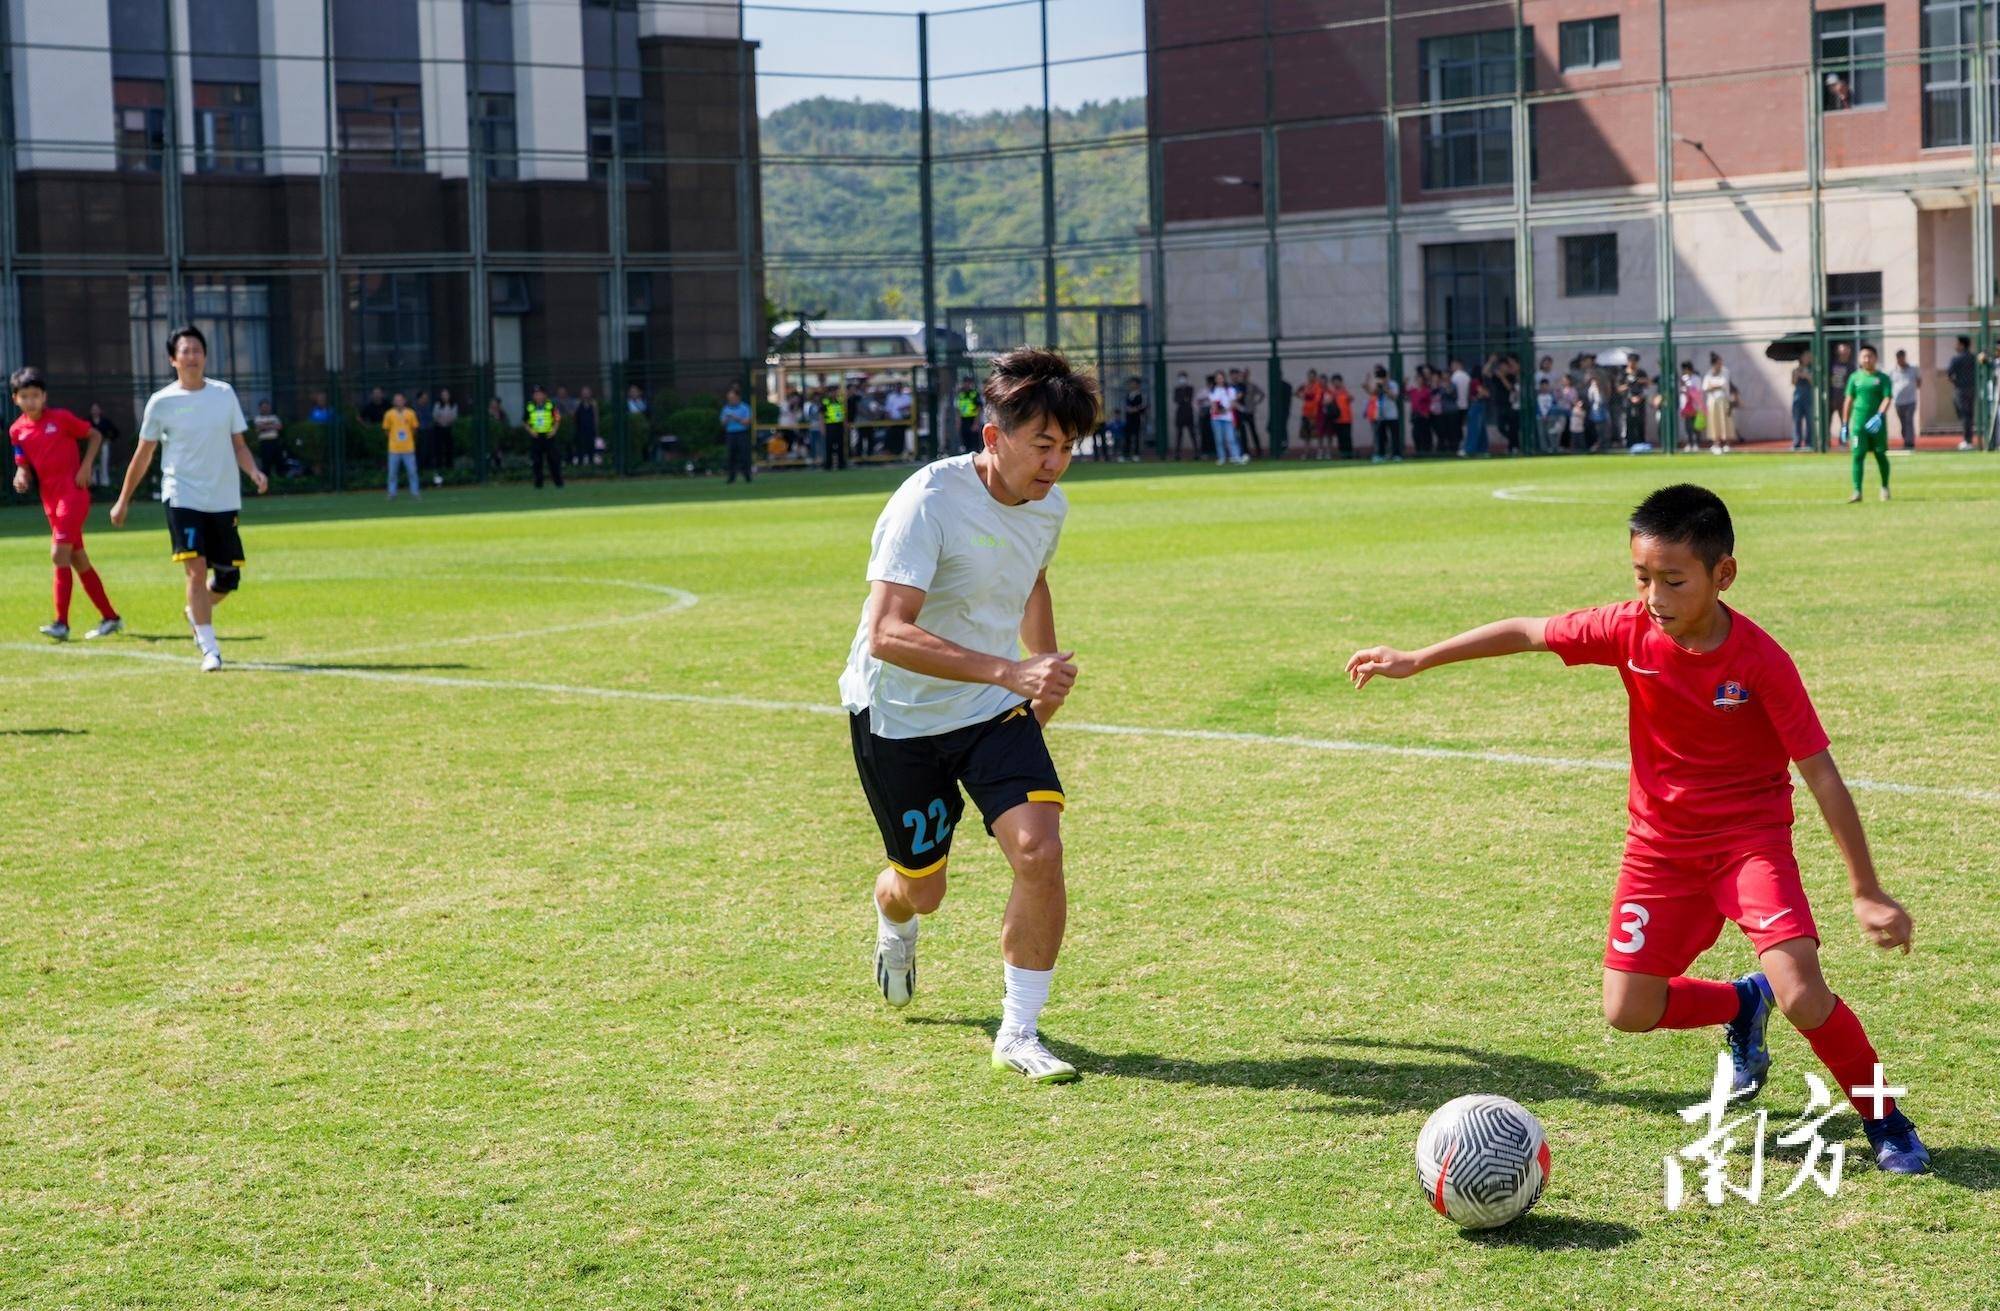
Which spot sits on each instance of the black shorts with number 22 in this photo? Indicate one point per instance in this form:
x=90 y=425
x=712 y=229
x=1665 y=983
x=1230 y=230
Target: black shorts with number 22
x=913 y=782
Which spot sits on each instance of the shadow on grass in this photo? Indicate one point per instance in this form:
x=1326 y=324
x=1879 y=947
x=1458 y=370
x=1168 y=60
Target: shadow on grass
x=44 y=732
x=1976 y=1168
x=1378 y=1079
x=184 y=636
x=1554 y=1233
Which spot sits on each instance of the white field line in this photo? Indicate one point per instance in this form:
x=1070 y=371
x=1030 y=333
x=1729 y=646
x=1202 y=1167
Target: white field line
x=644 y=695
x=680 y=599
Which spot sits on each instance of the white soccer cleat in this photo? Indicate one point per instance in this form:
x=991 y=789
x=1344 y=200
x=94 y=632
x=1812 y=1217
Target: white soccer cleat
x=1024 y=1054
x=105 y=629
x=211 y=663
x=56 y=632
x=896 y=967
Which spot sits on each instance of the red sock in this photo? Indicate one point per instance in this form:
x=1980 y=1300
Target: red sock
x=1698 y=1003
x=1843 y=1046
x=65 y=584
x=93 y=587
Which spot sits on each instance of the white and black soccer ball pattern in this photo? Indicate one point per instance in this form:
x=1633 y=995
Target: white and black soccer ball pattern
x=1482 y=1160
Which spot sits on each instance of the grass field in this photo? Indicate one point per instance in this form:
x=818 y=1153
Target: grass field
x=495 y=933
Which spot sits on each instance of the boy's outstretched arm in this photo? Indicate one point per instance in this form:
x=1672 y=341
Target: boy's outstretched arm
x=1504 y=637
x=1883 y=919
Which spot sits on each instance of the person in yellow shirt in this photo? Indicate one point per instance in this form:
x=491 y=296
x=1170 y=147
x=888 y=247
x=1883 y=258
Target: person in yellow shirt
x=400 y=423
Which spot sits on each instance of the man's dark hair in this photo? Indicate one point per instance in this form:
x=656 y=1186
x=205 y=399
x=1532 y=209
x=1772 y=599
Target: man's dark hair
x=174 y=339
x=1031 y=382
x=1691 y=515
x=1965 y=343
x=25 y=376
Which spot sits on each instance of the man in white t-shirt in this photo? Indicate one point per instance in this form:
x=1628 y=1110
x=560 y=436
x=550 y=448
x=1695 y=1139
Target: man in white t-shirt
x=939 y=695
x=198 y=423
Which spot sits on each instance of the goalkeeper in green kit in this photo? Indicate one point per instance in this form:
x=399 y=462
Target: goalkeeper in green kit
x=1865 y=416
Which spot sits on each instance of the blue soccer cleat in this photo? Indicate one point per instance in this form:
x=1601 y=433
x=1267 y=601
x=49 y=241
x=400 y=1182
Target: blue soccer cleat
x=1748 y=1051
x=1897 y=1147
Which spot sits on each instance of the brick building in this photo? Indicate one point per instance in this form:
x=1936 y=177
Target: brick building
x=1343 y=180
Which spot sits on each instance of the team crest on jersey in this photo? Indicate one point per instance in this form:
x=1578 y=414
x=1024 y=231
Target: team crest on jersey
x=1730 y=694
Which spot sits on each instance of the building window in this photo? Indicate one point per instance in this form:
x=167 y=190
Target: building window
x=1590 y=265
x=509 y=293
x=1853 y=307
x=391 y=317
x=228 y=128
x=233 y=313
x=597 y=113
x=1950 y=30
x=139 y=112
x=493 y=125
x=1472 y=147
x=1469 y=310
x=1591 y=43
x=1850 y=58
x=381 y=125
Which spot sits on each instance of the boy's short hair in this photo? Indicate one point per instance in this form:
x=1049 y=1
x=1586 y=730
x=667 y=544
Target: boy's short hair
x=174 y=340
x=1688 y=514
x=1032 y=382
x=25 y=377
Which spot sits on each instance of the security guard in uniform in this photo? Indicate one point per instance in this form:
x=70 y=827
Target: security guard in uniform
x=542 y=422
x=835 y=410
x=968 y=417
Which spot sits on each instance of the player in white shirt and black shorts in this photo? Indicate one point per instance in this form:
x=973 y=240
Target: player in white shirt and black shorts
x=198 y=423
x=940 y=697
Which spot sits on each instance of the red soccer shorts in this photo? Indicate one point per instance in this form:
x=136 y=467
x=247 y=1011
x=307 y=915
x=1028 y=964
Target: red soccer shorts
x=66 y=515
x=1666 y=911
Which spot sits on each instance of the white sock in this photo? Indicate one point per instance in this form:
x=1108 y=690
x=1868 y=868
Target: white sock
x=1027 y=993
x=906 y=930
x=204 y=637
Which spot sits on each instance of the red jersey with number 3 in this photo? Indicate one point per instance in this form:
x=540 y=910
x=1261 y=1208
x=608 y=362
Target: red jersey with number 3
x=1713 y=733
x=48 y=446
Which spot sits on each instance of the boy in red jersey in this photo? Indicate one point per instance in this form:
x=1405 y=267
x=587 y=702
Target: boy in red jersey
x=1717 y=710
x=44 y=441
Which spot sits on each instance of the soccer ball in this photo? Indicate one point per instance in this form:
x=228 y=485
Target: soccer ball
x=1482 y=1160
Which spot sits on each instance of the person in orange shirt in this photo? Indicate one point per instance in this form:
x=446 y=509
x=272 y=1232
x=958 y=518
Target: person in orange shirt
x=1311 y=397
x=400 y=423
x=1339 y=409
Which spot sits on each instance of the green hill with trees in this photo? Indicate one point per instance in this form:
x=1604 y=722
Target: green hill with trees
x=846 y=236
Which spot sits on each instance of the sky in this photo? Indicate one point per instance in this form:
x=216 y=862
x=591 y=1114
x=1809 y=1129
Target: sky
x=867 y=49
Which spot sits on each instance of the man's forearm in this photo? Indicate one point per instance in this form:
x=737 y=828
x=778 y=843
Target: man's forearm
x=244 y=460
x=142 y=459
x=920 y=651
x=1038 y=621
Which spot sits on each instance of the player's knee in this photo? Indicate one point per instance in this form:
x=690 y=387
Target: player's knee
x=1039 y=857
x=1630 y=1014
x=1804 y=1002
x=62 y=553
x=226 y=581
x=925 y=894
